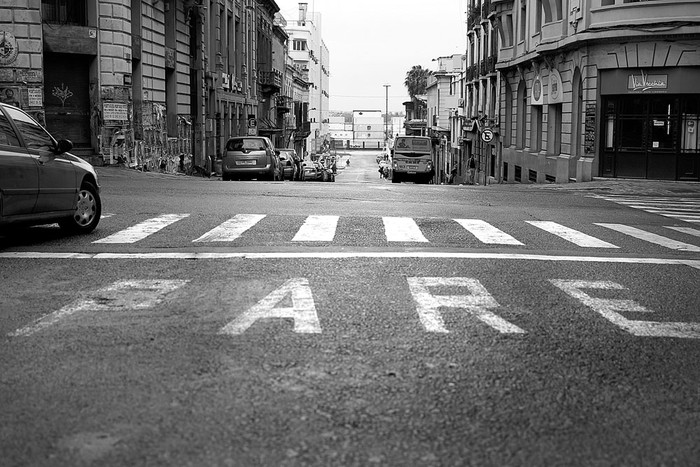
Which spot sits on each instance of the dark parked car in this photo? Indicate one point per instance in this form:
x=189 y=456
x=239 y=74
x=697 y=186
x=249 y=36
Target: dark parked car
x=40 y=182
x=249 y=157
x=290 y=163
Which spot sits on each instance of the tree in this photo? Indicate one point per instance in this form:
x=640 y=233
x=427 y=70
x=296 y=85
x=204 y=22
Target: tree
x=417 y=80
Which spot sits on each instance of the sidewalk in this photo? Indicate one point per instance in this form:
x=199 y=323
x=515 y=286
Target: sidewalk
x=629 y=186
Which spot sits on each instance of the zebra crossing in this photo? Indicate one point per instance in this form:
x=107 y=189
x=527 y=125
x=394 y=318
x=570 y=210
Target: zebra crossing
x=684 y=209
x=407 y=230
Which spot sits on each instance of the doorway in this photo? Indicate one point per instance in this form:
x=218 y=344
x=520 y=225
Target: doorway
x=651 y=136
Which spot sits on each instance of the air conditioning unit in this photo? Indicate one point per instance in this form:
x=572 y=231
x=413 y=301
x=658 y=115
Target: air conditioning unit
x=460 y=102
x=226 y=81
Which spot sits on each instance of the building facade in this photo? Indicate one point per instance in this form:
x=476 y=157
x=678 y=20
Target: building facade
x=444 y=96
x=597 y=88
x=310 y=53
x=156 y=85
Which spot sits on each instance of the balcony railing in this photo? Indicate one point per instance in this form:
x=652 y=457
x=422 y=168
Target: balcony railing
x=284 y=103
x=270 y=78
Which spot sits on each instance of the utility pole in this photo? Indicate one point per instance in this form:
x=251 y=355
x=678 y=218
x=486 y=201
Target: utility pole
x=386 y=115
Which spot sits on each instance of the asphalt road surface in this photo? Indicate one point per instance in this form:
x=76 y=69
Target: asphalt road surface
x=358 y=322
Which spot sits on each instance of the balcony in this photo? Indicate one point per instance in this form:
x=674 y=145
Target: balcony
x=612 y=13
x=270 y=81
x=284 y=104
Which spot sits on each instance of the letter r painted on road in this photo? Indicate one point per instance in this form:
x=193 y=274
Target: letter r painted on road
x=608 y=309
x=479 y=302
x=302 y=311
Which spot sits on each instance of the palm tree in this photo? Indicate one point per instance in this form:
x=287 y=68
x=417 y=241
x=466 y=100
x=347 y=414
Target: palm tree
x=416 y=80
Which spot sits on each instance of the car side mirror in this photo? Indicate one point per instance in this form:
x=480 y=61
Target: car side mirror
x=64 y=145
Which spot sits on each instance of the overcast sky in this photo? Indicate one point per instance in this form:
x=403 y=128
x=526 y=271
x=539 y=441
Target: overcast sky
x=375 y=42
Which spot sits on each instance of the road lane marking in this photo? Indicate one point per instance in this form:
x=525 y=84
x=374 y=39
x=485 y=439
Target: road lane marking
x=302 y=311
x=402 y=229
x=143 y=229
x=609 y=308
x=685 y=230
x=478 y=302
x=317 y=229
x=121 y=295
x=487 y=233
x=651 y=237
x=571 y=235
x=231 y=229
x=323 y=255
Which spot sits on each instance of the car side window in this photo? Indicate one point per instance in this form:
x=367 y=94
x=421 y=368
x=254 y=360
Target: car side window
x=35 y=137
x=7 y=133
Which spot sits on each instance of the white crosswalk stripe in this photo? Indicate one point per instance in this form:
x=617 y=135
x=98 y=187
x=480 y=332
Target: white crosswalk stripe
x=231 y=229
x=574 y=236
x=143 y=229
x=323 y=228
x=487 y=233
x=651 y=237
x=685 y=230
x=402 y=229
x=317 y=229
x=680 y=208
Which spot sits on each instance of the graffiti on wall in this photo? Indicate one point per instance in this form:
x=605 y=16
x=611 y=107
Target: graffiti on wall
x=143 y=143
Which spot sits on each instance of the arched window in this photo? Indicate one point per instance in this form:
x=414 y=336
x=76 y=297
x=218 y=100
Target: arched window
x=507 y=133
x=522 y=115
x=576 y=113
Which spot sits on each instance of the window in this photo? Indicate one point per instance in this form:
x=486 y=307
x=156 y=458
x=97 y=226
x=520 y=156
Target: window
x=299 y=44
x=554 y=122
x=521 y=117
x=71 y=12
x=576 y=113
x=523 y=22
x=7 y=134
x=35 y=137
x=536 y=127
x=507 y=136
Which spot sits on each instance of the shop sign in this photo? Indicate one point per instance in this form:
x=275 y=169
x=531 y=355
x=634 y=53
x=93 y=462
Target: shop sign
x=643 y=82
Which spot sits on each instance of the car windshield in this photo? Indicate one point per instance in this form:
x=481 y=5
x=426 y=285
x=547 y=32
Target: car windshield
x=245 y=144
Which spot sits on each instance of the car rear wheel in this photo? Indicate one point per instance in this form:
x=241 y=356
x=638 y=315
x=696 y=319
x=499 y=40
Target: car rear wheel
x=87 y=212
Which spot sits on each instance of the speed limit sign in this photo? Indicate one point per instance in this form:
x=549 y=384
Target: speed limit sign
x=487 y=135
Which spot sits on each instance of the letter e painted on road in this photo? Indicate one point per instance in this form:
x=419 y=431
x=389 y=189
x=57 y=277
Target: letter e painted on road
x=302 y=311
x=608 y=308
x=479 y=302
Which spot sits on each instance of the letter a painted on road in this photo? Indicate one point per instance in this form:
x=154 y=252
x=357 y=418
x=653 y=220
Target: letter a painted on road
x=302 y=311
x=478 y=302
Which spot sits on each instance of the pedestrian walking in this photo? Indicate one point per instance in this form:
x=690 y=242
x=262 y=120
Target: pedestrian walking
x=471 y=165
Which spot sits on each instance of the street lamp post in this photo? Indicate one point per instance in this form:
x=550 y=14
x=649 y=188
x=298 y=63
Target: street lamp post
x=386 y=115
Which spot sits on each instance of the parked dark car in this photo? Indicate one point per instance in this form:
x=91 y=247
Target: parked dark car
x=40 y=181
x=249 y=157
x=289 y=161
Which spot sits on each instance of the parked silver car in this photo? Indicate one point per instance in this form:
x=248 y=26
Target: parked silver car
x=40 y=182
x=249 y=157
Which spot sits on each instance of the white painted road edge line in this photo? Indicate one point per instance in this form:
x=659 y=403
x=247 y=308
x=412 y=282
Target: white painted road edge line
x=350 y=255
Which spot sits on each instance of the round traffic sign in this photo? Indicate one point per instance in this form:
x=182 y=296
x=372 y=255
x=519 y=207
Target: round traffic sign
x=487 y=135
